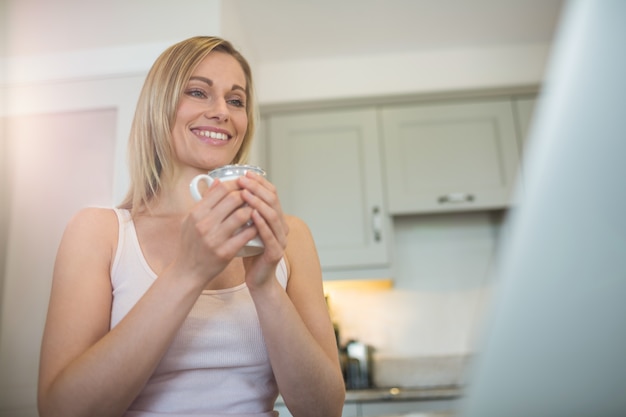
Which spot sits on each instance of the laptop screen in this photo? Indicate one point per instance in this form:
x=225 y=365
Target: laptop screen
x=554 y=342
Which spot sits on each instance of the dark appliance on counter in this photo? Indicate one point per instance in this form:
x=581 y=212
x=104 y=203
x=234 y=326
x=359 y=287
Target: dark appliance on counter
x=357 y=365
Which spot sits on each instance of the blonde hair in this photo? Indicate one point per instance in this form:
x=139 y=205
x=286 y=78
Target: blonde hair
x=149 y=146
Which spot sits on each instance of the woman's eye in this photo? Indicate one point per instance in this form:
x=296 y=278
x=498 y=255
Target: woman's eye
x=237 y=102
x=196 y=93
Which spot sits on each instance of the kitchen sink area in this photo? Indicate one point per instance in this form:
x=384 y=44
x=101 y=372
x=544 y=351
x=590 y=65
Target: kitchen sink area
x=396 y=363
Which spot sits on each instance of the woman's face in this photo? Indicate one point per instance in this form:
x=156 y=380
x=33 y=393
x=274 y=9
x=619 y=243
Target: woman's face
x=211 y=119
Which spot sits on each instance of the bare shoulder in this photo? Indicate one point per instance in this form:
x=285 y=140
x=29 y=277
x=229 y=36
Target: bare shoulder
x=91 y=229
x=94 y=216
x=94 y=219
x=301 y=253
x=300 y=236
x=81 y=276
x=297 y=225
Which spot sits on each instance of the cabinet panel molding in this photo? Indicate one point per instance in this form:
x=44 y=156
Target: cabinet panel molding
x=327 y=169
x=449 y=157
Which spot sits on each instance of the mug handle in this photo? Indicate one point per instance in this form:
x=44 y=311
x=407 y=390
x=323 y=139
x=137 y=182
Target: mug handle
x=193 y=186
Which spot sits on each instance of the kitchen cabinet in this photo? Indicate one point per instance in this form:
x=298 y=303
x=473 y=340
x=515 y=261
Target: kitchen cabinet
x=327 y=169
x=449 y=156
x=348 y=171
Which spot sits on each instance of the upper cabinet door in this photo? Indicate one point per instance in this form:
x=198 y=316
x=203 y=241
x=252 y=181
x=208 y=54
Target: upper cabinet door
x=449 y=156
x=326 y=167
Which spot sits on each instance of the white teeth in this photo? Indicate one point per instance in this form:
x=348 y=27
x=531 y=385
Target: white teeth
x=213 y=135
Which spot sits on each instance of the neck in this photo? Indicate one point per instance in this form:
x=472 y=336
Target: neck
x=174 y=197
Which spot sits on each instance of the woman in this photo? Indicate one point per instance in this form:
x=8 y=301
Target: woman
x=150 y=312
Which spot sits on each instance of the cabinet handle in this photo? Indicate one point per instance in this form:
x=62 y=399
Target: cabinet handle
x=455 y=198
x=376 y=223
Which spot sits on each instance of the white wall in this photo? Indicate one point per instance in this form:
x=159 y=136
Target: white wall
x=442 y=281
x=40 y=27
x=144 y=27
x=58 y=164
x=446 y=252
x=386 y=75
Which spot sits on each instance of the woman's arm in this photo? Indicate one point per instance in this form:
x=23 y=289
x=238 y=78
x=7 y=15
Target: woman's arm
x=86 y=369
x=298 y=332
x=296 y=325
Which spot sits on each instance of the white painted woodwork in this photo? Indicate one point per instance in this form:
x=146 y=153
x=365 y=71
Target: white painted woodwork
x=452 y=156
x=326 y=167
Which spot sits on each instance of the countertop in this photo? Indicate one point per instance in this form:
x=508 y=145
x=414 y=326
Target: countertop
x=401 y=394
x=433 y=414
x=390 y=394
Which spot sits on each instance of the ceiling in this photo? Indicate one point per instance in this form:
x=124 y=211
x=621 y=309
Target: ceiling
x=297 y=29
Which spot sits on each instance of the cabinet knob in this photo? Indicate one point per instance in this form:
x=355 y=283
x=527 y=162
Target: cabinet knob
x=377 y=223
x=455 y=198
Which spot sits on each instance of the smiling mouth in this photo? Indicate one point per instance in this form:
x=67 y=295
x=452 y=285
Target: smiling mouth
x=211 y=134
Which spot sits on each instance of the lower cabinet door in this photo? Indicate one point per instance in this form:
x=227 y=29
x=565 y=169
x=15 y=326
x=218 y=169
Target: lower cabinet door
x=389 y=408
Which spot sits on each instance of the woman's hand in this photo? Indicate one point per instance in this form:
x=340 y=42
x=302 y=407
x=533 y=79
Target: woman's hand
x=211 y=235
x=269 y=220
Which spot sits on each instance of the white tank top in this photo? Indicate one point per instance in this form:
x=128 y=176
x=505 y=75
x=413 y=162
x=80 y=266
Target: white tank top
x=217 y=364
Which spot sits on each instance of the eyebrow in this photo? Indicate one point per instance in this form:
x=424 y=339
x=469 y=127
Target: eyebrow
x=209 y=82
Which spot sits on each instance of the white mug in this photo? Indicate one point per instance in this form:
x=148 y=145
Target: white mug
x=229 y=173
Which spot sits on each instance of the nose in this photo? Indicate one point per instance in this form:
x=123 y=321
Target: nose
x=217 y=109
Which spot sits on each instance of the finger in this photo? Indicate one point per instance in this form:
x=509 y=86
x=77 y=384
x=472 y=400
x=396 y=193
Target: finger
x=275 y=243
x=264 y=230
x=270 y=208
x=227 y=234
x=264 y=191
x=220 y=201
x=220 y=215
x=258 y=185
x=240 y=238
x=218 y=189
x=270 y=223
